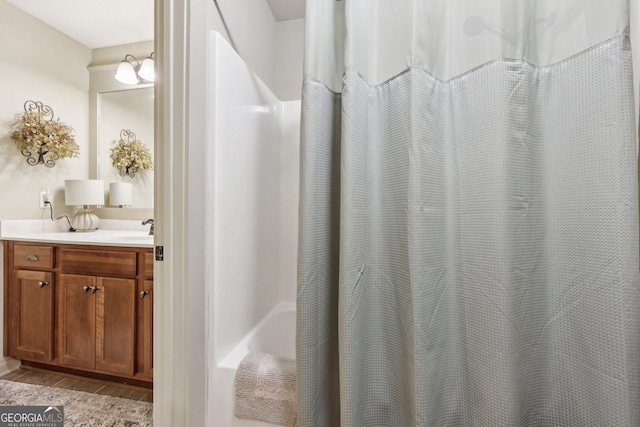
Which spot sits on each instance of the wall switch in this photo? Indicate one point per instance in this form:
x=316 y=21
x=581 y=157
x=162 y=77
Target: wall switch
x=45 y=196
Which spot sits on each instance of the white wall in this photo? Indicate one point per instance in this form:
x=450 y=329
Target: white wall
x=289 y=118
x=244 y=156
x=274 y=50
x=251 y=31
x=41 y=64
x=289 y=59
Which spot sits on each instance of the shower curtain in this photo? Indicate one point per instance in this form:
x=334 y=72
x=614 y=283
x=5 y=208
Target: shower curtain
x=468 y=250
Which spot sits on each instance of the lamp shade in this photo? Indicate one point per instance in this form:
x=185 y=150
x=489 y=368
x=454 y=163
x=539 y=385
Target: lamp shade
x=126 y=73
x=83 y=192
x=120 y=194
x=147 y=71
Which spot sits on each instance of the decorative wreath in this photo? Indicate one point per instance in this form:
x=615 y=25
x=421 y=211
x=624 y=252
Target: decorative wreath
x=36 y=133
x=130 y=155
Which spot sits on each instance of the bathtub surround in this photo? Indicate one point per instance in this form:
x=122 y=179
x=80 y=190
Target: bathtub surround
x=469 y=216
x=253 y=205
x=266 y=389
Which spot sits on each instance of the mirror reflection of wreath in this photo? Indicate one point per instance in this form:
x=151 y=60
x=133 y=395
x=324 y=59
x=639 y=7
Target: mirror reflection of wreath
x=42 y=139
x=130 y=155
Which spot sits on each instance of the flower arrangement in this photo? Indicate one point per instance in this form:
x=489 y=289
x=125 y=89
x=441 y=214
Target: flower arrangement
x=37 y=133
x=130 y=154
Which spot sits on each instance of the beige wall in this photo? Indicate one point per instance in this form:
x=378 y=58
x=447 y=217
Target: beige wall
x=41 y=64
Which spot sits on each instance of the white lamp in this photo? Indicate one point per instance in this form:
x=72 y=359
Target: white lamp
x=84 y=192
x=121 y=194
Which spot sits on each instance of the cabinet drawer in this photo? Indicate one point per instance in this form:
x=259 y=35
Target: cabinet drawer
x=98 y=263
x=148 y=266
x=27 y=256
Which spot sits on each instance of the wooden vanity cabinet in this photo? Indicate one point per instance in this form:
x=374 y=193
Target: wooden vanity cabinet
x=85 y=308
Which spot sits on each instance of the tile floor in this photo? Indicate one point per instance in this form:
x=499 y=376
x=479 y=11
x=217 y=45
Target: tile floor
x=73 y=383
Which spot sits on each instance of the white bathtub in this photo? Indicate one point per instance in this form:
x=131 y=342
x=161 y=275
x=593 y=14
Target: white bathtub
x=274 y=334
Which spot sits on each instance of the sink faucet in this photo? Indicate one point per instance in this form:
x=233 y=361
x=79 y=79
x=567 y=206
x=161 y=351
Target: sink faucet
x=149 y=221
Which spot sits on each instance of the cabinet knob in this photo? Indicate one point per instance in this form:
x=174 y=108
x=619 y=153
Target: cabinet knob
x=93 y=289
x=42 y=284
x=85 y=289
x=31 y=257
x=144 y=294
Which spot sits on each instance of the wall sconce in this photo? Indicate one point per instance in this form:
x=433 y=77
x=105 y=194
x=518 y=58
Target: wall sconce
x=137 y=73
x=84 y=192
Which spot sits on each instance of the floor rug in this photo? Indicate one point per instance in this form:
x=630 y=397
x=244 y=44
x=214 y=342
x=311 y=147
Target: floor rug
x=80 y=409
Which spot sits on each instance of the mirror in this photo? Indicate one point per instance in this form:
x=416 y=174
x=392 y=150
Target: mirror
x=129 y=109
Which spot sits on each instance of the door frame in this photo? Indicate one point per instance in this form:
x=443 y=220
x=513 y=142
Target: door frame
x=181 y=333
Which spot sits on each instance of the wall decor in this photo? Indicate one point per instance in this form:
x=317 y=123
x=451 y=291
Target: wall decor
x=41 y=138
x=130 y=155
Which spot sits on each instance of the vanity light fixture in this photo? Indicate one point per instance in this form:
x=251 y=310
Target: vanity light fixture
x=134 y=73
x=84 y=192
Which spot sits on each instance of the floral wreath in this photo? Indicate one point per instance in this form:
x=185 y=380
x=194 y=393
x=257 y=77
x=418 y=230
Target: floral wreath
x=36 y=133
x=130 y=155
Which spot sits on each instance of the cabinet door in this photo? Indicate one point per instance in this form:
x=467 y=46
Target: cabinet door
x=115 y=328
x=31 y=308
x=146 y=308
x=78 y=320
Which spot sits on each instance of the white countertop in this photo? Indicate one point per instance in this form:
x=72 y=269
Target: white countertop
x=111 y=233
